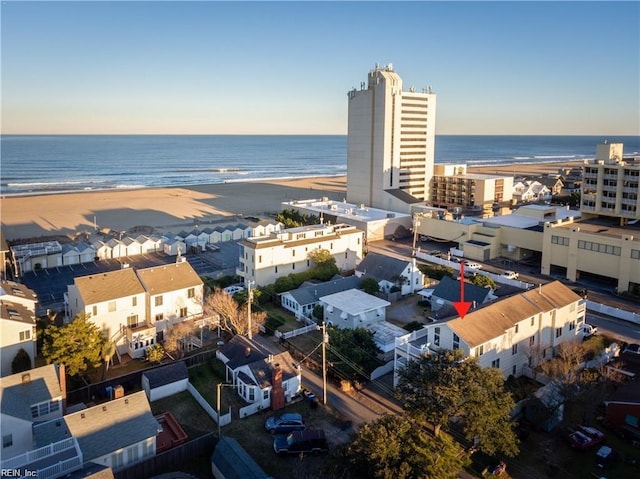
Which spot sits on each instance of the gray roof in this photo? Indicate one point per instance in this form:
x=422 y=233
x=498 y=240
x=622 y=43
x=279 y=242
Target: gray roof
x=241 y=351
x=402 y=195
x=17 y=393
x=104 y=428
x=16 y=312
x=166 y=374
x=311 y=294
x=234 y=462
x=381 y=267
x=263 y=370
x=449 y=290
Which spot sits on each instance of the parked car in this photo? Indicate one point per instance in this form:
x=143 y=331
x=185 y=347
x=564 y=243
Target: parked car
x=588 y=330
x=285 y=423
x=584 y=437
x=471 y=264
x=233 y=289
x=308 y=441
x=509 y=275
x=632 y=348
x=604 y=456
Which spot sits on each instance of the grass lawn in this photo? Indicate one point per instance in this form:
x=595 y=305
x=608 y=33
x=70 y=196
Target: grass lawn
x=288 y=318
x=193 y=419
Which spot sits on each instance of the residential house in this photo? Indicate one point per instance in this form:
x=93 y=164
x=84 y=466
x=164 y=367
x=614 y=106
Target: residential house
x=116 y=303
x=391 y=273
x=117 y=433
x=448 y=292
x=17 y=323
x=301 y=301
x=353 y=309
x=174 y=292
x=270 y=380
x=27 y=398
x=35 y=256
x=264 y=259
x=553 y=184
x=514 y=334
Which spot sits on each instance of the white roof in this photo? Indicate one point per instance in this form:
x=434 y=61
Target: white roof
x=343 y=209
x=354 y=301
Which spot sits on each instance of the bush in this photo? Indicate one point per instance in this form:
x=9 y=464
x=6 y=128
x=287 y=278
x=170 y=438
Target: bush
x=272 y=324
x=413 y=326
x=435 y=272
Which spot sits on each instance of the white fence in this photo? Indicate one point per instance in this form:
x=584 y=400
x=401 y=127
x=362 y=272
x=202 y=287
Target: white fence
x=381 y=371
x=615 y=312
x=296 y=332
x=224 y=419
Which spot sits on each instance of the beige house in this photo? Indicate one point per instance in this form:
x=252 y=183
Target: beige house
x=266 y=258
x=513 y=335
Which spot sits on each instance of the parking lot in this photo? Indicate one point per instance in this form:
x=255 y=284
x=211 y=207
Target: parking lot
x=51 y=284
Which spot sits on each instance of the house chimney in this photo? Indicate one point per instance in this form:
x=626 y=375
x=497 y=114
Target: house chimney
x=26 y=378
x=277 y=393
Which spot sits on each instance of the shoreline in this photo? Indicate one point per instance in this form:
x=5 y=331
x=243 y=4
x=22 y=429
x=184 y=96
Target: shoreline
x=37 y=215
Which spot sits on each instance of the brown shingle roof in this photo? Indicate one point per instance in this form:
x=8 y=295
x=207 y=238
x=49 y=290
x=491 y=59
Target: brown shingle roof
x=495 y=319
x=98 y=288
x=170 y=277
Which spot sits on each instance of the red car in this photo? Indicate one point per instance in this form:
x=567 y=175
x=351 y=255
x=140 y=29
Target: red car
x=585 y=437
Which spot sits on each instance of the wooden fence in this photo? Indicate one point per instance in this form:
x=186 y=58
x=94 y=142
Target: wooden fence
x=169 y=460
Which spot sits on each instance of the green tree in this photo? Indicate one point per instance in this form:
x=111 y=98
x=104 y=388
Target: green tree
x=21 y=362
x=352 y=352
x=397 y=447
x=445 y=385
x=155 y=353
x=370 y=286
x=325 y=264
x=482 y=281
x=78 y=345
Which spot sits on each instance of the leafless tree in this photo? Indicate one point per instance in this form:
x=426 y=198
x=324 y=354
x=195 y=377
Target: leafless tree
x=174 y=338
x=233 y=317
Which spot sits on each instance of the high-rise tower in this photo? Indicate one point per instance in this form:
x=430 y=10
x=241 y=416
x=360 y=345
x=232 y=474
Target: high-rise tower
x=391 y=142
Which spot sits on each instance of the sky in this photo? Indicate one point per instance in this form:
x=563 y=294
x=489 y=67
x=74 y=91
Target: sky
x=214 y=67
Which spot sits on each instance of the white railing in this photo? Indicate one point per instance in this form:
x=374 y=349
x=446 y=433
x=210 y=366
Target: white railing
x=224 y=418
x=297 y=332
x=45 y=451
x=61 y=469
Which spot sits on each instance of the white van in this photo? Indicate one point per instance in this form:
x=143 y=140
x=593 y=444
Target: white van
x=509 y=275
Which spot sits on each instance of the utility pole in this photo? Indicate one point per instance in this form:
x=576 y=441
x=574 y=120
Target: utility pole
x=416 y=223
x=249 y=301
x=325 y=341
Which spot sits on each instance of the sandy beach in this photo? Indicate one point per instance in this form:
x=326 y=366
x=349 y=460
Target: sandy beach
x=121 y=210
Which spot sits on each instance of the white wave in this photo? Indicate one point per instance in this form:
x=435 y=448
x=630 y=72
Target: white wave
x=551 y=157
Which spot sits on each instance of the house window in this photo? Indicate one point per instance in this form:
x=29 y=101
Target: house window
x=558 y=332
x=45 y=408
x=260 y=258
x=495 y=363
x=533 y=321
x=436 y=336
x=516 y=328
x=308 y=263
x=134 y=301
x=346 y=254
x=191 y=293
x=456 y=342
x=158 y=301
x=132 y=321
x=532 y=340
x=133 y=454
x=117 y=459
x=148 y=448
x=24 y=335
x=480 y=350
x=572 y=325
x=112 y=306
x=513 y=370
x=183 y=312
x=159 y=316
x=293 y=253
x=514 y=349
x=7 y=441
x=276 y=269
x=293 y=266
x=252 y=394
x=265 y=394
x=95 y=310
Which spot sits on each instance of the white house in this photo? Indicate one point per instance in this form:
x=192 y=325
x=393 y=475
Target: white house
x=28 y=398
x=514 y=334
x=302 y=300
x=174 y=292
x=18 y=326
x=113 y=301
x=391 y=272
x=353 y=309
x=173 y=247
x=35 y=256
x=264 y=259
x=116 y=434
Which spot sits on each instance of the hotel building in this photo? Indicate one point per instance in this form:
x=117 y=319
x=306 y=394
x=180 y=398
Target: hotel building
x=391 y=142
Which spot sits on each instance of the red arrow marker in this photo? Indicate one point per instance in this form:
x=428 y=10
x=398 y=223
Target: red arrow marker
x=462 y=306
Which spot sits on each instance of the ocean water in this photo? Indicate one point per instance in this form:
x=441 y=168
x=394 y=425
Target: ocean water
x=33 y=164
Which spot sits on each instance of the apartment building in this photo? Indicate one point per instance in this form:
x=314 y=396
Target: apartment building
x=17 y=323
x=264 y=259
x=610 y=184
x=513 y=335
x=391 y=142
x=452 y=187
